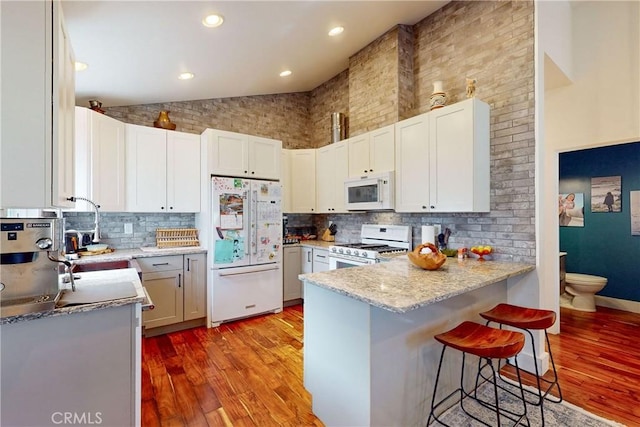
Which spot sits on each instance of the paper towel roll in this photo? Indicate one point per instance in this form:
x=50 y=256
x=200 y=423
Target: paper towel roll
x=428 y=234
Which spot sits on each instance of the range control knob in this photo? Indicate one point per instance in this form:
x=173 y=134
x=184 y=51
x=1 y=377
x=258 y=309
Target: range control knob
x=365 y=254
x=44 y=243
x=348 y=251
x=340 y=250
x=334 y=249
x=356 y=253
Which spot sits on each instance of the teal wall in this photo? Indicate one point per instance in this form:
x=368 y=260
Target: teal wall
x=604 y=246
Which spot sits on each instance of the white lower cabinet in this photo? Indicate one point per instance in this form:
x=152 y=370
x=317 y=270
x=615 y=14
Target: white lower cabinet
x=291 y=268
x=177 y=287
x=320 y=260
x=306 y=260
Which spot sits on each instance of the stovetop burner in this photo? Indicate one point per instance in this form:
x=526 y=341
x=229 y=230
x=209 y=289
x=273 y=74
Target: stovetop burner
x=376 y=240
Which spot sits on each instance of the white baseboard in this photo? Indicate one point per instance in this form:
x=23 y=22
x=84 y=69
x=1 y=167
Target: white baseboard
x=618 y=304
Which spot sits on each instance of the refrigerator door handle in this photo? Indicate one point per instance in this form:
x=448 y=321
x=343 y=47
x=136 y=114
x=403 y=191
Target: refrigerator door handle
x=247 y=223
x=254 y=221
x=255 y=269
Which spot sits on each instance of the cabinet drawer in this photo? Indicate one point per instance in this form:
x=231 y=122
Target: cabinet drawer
x=160 y=263
x=321 y=256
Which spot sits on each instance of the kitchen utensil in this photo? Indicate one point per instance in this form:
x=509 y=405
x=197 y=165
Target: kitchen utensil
x=427 y=261
x=333 y=228
x=441 y=242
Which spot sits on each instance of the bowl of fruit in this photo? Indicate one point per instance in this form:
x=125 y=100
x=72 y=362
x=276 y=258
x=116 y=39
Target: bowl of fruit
x=427 y=256
x=481 y=251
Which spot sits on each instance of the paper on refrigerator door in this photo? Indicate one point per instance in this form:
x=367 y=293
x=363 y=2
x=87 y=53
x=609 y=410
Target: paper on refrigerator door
x=231 y=211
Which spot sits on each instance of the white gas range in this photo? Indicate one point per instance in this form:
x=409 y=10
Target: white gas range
x=375 y=241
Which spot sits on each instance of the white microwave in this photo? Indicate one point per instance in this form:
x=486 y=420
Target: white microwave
x=370 y=192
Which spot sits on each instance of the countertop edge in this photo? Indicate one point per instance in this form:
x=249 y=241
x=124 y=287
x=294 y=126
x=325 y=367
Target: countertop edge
x=523 y=269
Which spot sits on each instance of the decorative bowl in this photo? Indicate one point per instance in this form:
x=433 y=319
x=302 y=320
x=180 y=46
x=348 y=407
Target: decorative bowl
x=427 y=261
x=481 y=251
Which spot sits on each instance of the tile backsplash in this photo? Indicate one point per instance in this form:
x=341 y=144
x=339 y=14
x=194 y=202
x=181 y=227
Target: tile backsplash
x=144 y=226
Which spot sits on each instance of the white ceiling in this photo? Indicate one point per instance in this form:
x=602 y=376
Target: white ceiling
x=136 y=49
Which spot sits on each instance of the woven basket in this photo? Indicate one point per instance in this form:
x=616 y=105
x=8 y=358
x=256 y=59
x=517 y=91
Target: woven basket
x=176 y=237
x=430 y=261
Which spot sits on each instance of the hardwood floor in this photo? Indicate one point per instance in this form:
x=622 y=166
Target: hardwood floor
x=249 y=372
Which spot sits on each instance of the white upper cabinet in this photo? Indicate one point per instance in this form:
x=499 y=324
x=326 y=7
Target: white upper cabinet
x=183 y=172
x=303 y=181
x=372 y=152
x=459 y=157
x=442 y=160
x=236 y=154
x=64 y=100
x=264 y=158
x=37 y=152
x=162 y=170
x=412 y=164
x=99 y=163
x=332 y=168
x=285 y=179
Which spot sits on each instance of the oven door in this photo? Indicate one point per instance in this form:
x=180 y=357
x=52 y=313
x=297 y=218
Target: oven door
x=346 y=262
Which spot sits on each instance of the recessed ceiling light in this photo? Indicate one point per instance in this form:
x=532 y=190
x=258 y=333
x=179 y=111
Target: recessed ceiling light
x=212 y=21
x=186 y=76
x=335 y=31
x=285 y=73
x=80 y=66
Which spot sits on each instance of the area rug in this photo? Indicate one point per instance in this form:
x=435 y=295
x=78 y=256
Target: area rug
x=555 y=414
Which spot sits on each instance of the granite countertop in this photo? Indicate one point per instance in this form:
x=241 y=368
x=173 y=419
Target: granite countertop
x=94 y=278
x=399 y=286
x=127 y=254
x=317 y=243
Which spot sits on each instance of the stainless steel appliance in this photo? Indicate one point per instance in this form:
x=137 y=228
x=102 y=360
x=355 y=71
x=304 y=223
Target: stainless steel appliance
x=370 y=192
x=375 y=241
x=247 y=248
x=30 y=251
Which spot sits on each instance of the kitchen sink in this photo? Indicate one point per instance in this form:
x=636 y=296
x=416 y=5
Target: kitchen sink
x=105 y=265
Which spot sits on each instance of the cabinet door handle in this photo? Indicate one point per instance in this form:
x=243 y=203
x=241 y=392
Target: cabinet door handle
x=188 y=263
x=170 y=207
x=161 y=207
x=179 y=280
x=162 y=263
x=320 y=256
x=433 y=207
x=308 y=256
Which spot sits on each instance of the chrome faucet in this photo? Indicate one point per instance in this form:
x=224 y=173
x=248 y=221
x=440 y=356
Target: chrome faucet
x=96 y=226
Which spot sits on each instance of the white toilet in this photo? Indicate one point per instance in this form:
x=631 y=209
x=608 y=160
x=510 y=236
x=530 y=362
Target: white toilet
x=584 y=287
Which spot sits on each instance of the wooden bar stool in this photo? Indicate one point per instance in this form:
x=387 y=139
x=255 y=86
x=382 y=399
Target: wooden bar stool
x=529 y=319
x=487 y=343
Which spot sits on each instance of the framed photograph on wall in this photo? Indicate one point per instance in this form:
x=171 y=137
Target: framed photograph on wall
x=571 y=209
x=606 y=194
x=634 y=200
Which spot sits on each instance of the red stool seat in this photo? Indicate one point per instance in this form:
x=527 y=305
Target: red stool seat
x=483 y=341
x=521 y=317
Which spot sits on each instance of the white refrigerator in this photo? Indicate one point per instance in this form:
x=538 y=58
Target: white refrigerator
x=246 y=240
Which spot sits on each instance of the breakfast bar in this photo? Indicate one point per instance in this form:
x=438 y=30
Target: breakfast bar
x=369 y=353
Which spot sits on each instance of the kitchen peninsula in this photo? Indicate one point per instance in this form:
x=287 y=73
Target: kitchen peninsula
x=369 y=353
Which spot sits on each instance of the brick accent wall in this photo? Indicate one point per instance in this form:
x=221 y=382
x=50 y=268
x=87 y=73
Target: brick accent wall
x=282 y=116
x=374 y=82
x=490 y=41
